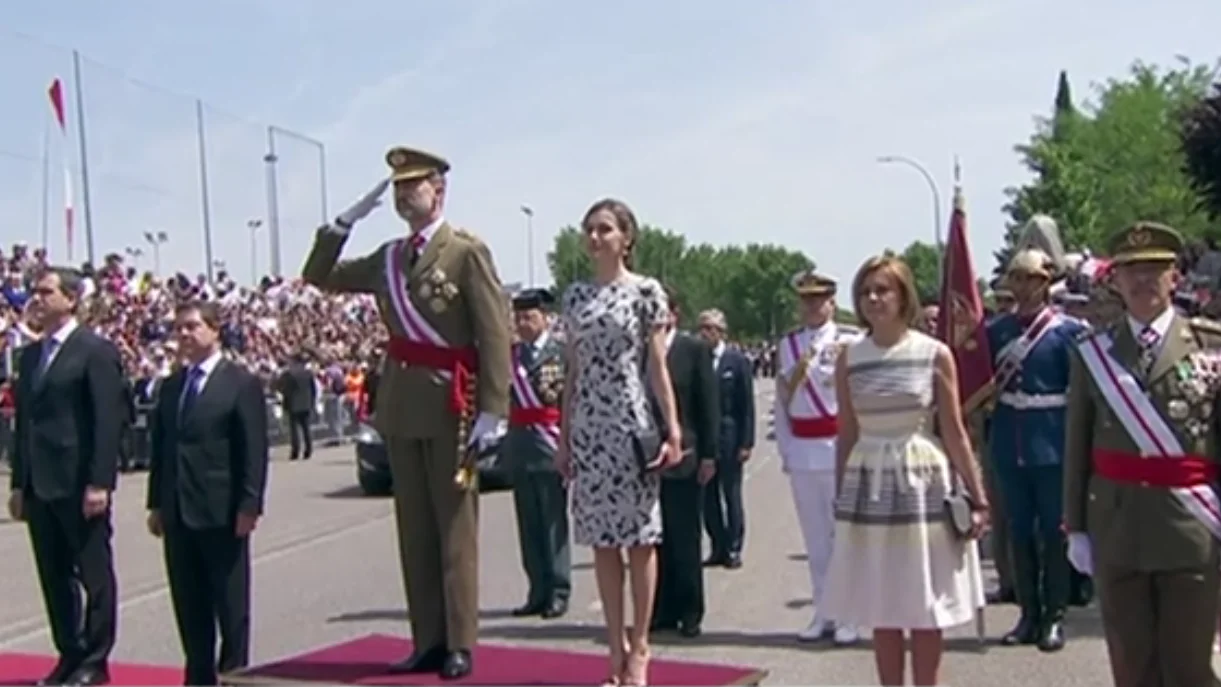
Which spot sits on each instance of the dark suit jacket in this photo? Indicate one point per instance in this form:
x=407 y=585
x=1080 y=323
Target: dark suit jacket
x=297 y=390
x=211 y=464
x=696 y=395
x=736 y=382
x=69 y=418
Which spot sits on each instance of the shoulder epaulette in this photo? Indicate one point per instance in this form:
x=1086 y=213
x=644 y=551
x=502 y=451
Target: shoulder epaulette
x=463 y=233
x=1207 y=325
x=1085 y=335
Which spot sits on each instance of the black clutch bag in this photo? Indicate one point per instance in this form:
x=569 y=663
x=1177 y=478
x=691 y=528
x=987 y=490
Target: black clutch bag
x=646 y=446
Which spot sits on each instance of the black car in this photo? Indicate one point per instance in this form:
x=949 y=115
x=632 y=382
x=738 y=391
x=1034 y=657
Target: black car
x=373 y=467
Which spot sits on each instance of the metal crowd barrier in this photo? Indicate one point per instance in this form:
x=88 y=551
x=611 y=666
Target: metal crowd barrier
x=332 y=421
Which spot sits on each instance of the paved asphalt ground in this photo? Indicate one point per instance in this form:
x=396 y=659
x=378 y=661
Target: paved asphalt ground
x=326 y=571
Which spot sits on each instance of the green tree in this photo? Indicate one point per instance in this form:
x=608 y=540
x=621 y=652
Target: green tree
x=1201 y=139
x=751 y=284
x=923 y=260
x=1116 y=160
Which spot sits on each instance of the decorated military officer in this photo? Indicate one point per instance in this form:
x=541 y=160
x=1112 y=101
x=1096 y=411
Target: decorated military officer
x=1032 y=347
x=1141 y=468
x=539 y=493
x=445 y=391
x=806 y=420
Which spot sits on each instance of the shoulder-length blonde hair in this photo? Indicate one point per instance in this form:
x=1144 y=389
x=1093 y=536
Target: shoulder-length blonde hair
x=904 y=282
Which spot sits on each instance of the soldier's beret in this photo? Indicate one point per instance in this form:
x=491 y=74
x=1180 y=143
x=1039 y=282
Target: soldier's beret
x=1146 y=242
x=811 y=283
x=407 y=164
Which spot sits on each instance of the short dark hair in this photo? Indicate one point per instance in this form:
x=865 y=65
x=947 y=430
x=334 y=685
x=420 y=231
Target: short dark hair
x=208 y=311
x=71 y=280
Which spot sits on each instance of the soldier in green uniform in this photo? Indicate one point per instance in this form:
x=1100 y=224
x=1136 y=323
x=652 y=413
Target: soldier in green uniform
x=445 y=388
x=1140 y=471
x=539 y=494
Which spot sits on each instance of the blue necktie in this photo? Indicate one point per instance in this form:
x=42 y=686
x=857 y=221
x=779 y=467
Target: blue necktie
x=49 y=346
x=191 y=393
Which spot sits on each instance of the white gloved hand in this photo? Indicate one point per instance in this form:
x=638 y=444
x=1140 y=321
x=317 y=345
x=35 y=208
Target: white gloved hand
x=1080 y=553
x=362 y=207
x=487 y=430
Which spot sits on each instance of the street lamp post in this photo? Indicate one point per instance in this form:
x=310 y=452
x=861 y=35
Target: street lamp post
x=135 y=253
x=529 y=213
x=253 y=226
x=155 y=239
x=932 y=186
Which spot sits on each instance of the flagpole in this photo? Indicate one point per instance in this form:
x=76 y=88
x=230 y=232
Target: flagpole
x=80 y=132
x=46 y=187
x=204 y=197
x=273 y=202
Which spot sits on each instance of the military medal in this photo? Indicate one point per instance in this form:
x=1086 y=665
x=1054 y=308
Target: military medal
x=425 y=291
x=437 y=305
x=1178 y=409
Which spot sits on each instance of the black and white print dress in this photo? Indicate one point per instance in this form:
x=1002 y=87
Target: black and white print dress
x=608 y=326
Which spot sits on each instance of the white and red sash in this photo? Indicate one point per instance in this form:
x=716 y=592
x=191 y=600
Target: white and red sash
x=532 y=407
x=1154 y=438
x=823 y=423
x=1012 y=355
x=411 y=321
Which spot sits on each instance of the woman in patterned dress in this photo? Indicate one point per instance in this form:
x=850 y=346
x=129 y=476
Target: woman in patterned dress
x=898 y=564
x=614 y=324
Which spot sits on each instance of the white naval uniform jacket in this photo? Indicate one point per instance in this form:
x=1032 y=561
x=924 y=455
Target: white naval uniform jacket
x=813 y=402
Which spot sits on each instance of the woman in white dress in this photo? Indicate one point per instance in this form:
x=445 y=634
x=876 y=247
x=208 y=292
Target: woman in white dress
x=898 y=564
x=615 y=324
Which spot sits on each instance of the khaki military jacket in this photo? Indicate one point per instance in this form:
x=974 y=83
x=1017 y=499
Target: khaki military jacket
x=455 y=288
x=1144 y=528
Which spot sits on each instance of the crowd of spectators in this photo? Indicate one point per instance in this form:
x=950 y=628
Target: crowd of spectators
x=264 y=325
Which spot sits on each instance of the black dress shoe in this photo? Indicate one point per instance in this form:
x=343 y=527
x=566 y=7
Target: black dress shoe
x=59 y=674
x=1051 y=638
x=733 y=561
x=529 y=608
x=89 y=676
x=457 y=665
x=663 y=625
x=690 y=630
x=716 y=560
x=554 y=609
x=427 y=661
x=1027 y=631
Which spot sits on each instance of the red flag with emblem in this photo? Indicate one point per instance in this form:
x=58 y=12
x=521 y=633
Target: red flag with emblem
x=960 y=322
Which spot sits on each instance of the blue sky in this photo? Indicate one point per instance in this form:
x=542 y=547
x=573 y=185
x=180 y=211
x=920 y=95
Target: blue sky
x=728 y=121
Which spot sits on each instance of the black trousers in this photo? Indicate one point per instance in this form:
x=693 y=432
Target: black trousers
x=72 y=553
x=209 y=575
x=723 y=513
x=680 y=566
x=298 y=433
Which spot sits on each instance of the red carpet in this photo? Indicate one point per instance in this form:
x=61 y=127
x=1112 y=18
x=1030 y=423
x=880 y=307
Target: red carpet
x=364 y=661
x=26 y=669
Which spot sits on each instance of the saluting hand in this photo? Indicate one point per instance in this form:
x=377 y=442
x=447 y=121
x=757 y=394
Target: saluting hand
x=362 y=207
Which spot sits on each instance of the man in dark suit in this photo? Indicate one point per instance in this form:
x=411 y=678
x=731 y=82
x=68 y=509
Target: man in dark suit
x=298 y=395
x=69 y=417
x=723 y=513
x=680 y=574
x=205 y=493
x=540 y=497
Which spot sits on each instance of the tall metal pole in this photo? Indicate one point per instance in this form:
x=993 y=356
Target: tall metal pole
x=932 y=185
x=45 y=236
x=326 y=214
x=529 y=213
x=80 y=133
x=205 y=201
x=273 y=202
x=253 y=225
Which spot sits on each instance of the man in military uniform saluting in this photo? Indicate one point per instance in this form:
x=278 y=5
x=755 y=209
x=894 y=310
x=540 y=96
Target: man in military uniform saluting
x=1141 y=506
x=539 y=494
x=447 y=364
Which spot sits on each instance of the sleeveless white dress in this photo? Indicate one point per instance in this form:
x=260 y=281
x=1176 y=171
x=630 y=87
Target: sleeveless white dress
x=897 y=563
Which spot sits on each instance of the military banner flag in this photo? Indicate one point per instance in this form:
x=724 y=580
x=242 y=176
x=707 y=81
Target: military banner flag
x=56 y=94
x=960 y=322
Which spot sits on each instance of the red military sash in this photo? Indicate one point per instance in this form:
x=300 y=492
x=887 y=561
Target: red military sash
x=1152 y=435
x=530 y=410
